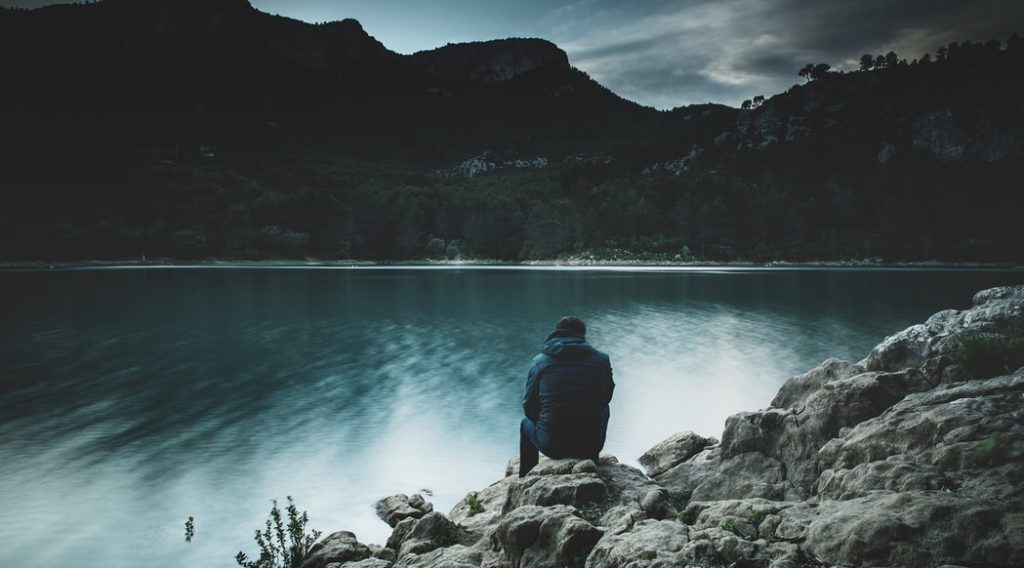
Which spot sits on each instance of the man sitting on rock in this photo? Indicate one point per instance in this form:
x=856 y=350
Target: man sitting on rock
x=568 y=390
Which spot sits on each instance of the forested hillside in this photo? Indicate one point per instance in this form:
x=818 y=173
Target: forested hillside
x=190 y=130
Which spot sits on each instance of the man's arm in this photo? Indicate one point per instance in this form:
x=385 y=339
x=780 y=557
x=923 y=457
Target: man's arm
x=531 y=402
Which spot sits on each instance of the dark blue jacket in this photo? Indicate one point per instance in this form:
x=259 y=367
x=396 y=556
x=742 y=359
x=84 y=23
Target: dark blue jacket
x=568 y=390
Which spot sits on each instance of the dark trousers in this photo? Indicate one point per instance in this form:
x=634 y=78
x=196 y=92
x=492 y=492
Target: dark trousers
x=529 y=455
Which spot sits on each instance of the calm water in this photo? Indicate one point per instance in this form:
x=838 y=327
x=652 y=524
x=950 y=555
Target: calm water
x=134 y=398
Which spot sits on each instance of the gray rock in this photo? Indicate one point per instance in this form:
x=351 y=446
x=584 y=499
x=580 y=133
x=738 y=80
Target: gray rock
x=397 y=508
x=419 y=503
x=416 y=536
x=896 y=473
x=544 y=537
x=456 y=556
x=924 y=345
x=655 y=504
x=366 y=563
x=672 y=451
x=746 y=475
x=651 y=543
x=492 y=499
x=967 y=437
x=383 y=553
x=341 y=546
x=916 y=529
x=797 y=388
x=576 y=490
x=794 y=436
x=686 y=476
x=718 y=545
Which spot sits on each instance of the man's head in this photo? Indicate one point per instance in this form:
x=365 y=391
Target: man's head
x=572 y=325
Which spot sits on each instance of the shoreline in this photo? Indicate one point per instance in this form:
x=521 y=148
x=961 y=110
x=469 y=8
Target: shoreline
x=34 y=265
x=916 y=440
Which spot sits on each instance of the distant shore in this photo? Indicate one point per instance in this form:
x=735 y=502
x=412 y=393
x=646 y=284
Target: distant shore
x=552 y=263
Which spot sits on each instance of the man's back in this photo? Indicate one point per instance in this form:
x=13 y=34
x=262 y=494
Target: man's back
x=568 y=390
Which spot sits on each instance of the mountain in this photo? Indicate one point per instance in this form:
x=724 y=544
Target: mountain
x=198 y=128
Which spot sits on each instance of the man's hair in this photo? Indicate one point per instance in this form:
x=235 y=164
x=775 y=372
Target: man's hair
x=572 y=324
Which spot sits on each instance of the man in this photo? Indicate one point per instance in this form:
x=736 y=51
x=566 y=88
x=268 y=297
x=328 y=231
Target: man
x=567 y=393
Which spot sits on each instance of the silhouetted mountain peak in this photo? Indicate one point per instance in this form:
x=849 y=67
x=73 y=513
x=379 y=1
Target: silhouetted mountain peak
x=495 y=60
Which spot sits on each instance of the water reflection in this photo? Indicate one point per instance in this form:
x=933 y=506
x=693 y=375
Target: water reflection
x=133 y=399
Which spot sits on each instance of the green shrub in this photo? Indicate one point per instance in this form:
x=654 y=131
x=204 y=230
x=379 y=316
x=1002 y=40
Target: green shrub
x=281 y=545
x=985 y=354
x=997 y=450
x=687 y=517
x=449 y=537
x=475 y=506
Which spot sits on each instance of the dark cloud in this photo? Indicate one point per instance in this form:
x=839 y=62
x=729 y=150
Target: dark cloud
x=667 y=54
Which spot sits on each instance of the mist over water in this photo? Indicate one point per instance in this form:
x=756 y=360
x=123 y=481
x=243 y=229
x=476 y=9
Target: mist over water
x=132 y=399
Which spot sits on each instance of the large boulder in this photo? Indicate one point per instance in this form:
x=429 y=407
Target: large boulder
x=672 y=451
x=341 y=546
x=928 y=345
x=397 y=508
x=797 y=388
x=967 y=437
x=455 y=556
x=916 y=529
x=577 y=490
x=793 y=436
x=544 y=537
x=427 y=533
x=651 y=543
x=488 y=506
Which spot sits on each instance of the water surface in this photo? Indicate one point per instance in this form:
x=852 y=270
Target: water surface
x=132 y=399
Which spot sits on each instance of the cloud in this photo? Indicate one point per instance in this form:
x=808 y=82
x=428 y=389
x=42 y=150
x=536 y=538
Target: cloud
x=669 y=53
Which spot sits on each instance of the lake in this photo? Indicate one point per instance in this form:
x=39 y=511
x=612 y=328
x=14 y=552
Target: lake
x=135 y=398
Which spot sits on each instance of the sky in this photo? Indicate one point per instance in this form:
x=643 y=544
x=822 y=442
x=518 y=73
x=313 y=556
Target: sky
x=668 y=53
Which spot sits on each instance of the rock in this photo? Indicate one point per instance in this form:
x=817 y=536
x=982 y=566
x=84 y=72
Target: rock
x=397 y=508
x=621 y=518
x=492 y=499
x=718 y=545
x=544 y=537
x=419 y=503
x=416 y=536
x=367 y=563
x=796 y=389
x=650 y=543
x=968 y=437
x=341 y=546
x=793 y=436
x=672 y=451
x=916 y=529
x=576 y=490
x=747 y=475
x=896 y=473
x=383 y=553
x=686 y=476
x=456 y=556
x=924 y=345
x=656 y=505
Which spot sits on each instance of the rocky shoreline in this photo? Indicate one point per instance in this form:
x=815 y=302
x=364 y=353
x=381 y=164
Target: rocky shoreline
x=909 y=458
x=32 y=265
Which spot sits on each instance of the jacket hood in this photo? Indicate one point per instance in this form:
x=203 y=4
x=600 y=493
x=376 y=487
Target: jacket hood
x=563 y=345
